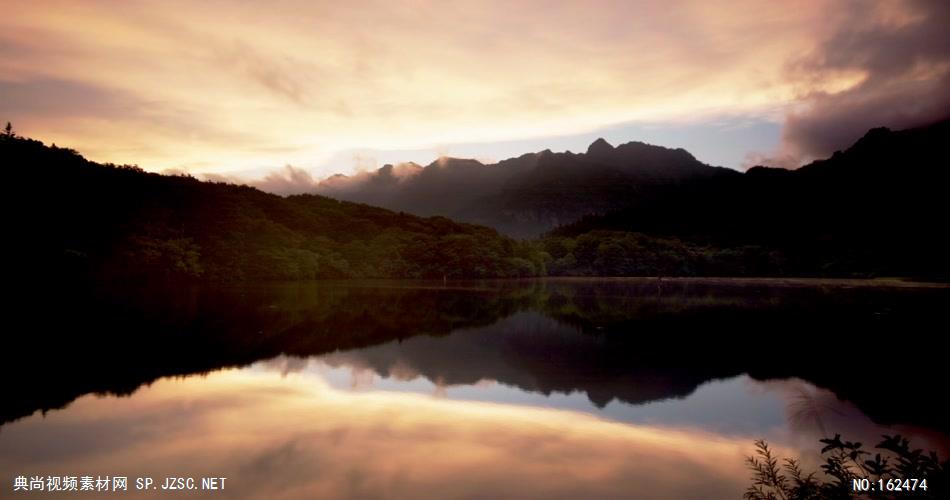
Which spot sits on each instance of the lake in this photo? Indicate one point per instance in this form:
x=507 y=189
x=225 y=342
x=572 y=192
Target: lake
x=558 y=388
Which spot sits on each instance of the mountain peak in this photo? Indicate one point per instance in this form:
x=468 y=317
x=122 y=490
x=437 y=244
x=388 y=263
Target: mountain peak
x=599 y=147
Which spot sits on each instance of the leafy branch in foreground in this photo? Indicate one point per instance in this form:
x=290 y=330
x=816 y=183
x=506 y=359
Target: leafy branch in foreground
x=847 y=462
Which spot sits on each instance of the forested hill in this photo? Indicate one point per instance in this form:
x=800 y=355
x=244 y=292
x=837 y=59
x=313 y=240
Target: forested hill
x=878 y=208
x=76 y=217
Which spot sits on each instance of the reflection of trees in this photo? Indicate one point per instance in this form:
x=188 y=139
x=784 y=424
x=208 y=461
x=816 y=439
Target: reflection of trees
x=113 y=340
x=808 y=408
x=634 y=340
x=844 y=462
x=826 y=334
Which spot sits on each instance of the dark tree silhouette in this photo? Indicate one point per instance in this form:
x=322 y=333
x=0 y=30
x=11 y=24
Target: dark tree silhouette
x=824 y=220
x=846 y=462
x=118 y=222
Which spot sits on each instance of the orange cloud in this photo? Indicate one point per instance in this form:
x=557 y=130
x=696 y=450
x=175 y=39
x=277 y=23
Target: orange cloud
x=240 y=89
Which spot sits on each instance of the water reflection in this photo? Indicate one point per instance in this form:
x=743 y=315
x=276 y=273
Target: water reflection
x=541 y=388
x=309 y=440
x=278 y=434
x=632 y=340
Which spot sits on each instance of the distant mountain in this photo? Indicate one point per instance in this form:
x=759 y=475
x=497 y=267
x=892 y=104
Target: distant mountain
x=75 y=218
x=527 y=195
x=878 y=208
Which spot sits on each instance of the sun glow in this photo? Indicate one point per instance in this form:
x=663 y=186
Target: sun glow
x=240 y=89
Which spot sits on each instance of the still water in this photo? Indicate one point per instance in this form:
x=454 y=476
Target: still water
x=527 y=389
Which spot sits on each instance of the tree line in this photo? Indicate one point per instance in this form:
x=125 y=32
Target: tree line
x=77 y=217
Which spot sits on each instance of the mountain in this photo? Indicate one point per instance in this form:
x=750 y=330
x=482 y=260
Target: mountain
x=527 y=195
x=878 y=208
x=76 y=218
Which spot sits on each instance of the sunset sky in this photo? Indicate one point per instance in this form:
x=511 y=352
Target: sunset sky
x=241 y=90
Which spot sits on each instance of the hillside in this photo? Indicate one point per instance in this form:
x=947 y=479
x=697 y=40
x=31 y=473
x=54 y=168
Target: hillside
x=527 y=195
x=877 y=208
x=75 y=217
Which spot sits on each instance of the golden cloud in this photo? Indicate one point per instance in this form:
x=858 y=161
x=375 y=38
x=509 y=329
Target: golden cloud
x=242 y=89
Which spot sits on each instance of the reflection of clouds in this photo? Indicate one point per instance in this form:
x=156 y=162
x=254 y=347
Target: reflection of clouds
x=790 y=412
x=285 y=364
x=362 y=378
x=814 y=413
x=296 y=437
x=810 y=407
x=402 y=371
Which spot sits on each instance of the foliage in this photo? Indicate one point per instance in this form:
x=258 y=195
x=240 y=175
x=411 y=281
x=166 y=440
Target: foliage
x=872 y=210
x=621 y=253
x=844 y=462
x=120 y=223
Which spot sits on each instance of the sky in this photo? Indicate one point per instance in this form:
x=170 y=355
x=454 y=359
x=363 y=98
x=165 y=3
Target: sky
x=242 y=90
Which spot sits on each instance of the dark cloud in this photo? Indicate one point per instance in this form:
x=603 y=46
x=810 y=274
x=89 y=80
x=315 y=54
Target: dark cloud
x=907 y=83
x=837 y=120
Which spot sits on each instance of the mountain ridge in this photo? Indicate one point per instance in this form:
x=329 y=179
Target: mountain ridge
x=111 y=222
x=526 y=195
x=875 y=208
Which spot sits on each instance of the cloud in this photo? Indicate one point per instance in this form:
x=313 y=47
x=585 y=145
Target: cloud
x=293 y=180
x=900 y=53
x=63 y=98
x=218 y=178
x=109 y=123
x=184 y=85
x=279 y=74
x=258 y=88
x=290 y=180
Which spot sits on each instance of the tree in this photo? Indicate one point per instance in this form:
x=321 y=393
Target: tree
x=845 y=462
x=8 y=130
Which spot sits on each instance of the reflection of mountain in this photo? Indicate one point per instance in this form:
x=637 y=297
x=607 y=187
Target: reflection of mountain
x=636 y=341
x=527 y=195
x=534 y=353
x=633 y=340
